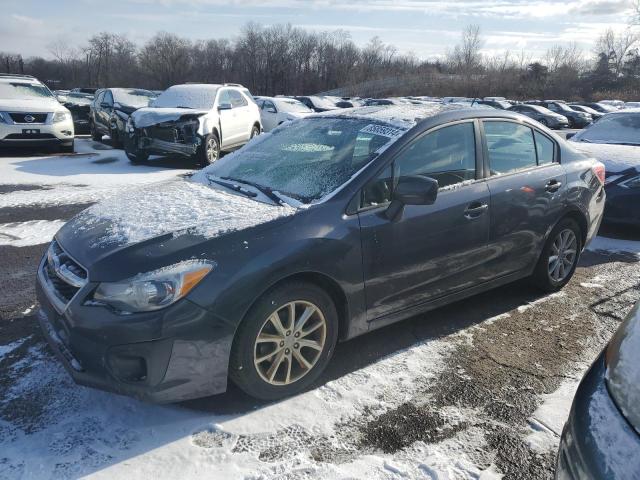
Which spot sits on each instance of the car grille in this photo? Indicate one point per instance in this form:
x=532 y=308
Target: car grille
x=65 y=276
x=20 y=117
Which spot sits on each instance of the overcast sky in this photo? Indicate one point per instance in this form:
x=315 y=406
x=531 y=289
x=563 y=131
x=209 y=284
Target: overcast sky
x=425 y=27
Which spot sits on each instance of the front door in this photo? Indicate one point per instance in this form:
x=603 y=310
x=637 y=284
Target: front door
x=431 y=250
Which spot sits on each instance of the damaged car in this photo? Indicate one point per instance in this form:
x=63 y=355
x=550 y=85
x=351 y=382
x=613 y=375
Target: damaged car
x=110 y=111
x=193 y=121
x=79 y=104
x=322 y=230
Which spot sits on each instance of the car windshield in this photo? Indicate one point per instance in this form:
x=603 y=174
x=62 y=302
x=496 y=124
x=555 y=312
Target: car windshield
x=616 y=128
x=23 y=91
x=133 y=98
x=293 y=106
x=563 y=107
x=308 y=159
x=192 y=96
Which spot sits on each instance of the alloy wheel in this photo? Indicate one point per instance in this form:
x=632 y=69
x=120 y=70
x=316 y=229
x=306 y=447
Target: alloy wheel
x=212 y=149
x=563 y=255
x=290 y=343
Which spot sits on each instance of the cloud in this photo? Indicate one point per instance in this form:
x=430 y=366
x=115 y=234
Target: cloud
x=602 y=7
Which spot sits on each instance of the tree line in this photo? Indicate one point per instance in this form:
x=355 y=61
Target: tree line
x=282 y=59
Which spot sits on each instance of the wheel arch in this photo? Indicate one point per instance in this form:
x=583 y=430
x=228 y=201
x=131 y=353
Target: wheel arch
x=580 y=218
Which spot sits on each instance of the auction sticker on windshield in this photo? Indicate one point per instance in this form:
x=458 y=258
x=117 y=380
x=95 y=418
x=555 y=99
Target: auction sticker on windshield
x=382 y=130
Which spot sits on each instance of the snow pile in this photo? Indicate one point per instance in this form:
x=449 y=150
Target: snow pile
x=403 y=116
x=32 y=232
x=175 y=207
x=614 y=245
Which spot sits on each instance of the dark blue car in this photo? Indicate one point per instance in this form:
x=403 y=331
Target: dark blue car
x=327 y=228
x=601 y=440
x=615 y=141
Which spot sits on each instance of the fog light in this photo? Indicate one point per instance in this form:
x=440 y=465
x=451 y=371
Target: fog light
x=128 y=368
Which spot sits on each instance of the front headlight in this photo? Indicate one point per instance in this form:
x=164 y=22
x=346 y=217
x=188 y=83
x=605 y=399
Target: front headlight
x=154 y=290
x=130 y=126
x=631 y=183
x=61 y=117
x=622 y=358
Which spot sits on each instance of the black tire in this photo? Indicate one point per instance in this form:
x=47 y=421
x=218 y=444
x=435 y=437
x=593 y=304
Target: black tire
x=542 y=278
x=242 y=369
x=68 y=148
x=255 y=131
x=116 y=141
x=209 y=151
x=95 y=135
x=137 y=157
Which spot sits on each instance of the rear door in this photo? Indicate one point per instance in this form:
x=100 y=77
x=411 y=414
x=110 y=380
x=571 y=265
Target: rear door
x=431 y=250
x=527 y=185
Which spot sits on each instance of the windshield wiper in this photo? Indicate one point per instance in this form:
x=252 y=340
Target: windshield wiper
x=235 y=188
x=274 y=197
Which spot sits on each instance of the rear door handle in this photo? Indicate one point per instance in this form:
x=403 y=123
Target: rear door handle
x=475 y=209
x=553 y=186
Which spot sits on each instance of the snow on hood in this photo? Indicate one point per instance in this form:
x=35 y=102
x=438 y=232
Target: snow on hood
x=145 y=117
x=616 y=158
x=33 y=105
x=177 y=207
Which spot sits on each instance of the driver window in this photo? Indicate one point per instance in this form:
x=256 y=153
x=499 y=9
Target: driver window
x=269 y=107
x=448 y=155
x=224 y=97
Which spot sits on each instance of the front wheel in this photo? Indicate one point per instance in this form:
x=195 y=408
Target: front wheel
x=285 y=342
x=209 y=151
x=137 y=157
x=95 y=135
x=116 y=141
x=559 y=257
x=544 y=122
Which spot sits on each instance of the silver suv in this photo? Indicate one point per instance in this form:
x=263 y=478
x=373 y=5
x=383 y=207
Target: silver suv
x=31 y=116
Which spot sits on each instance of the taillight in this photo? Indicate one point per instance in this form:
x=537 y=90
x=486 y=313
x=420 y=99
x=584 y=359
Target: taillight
x=599 y=171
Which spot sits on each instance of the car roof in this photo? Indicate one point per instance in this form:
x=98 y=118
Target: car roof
x=8 y=78
x=409 y=115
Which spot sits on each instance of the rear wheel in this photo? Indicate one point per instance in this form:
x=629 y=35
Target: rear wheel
x=137 y=156
x=116 y=141
x=559 y=257
x=285 y=341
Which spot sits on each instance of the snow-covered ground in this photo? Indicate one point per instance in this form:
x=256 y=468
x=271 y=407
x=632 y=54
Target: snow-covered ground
x=414 y=383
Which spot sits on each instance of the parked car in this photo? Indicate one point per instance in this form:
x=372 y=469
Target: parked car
x=111 y=109
x=599 y=107
x=317 y=104
x=79 y=104
x=617 y=104
x=277 y=110
x=337 y=225
x=596 y=115
x=31 y=116
x=499 y=104
x=615 y=141
x=543 y=115
x=85 y=90
x=378 y=102
x=195 y=121
x=633 y=105
x=602 y=436
x=576 y=119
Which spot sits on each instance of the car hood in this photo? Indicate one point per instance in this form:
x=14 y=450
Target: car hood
x=143 y=229
x=616 y=158
x=147 y=116
x=35 y=105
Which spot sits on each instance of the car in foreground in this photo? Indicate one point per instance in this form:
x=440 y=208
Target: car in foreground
x=195 y=121
x=31 y=116
x=275 y=111
x=596 y=115
x=615 y=141
x=111 y=109
x=79 y=105
x=576 y=119
x=543 y=115
x=601 y=439
x=322 y=230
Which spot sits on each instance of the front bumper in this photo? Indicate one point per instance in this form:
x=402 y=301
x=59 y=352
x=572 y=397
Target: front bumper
x=37 y=134
x=623 y=205
x=174 y=354
x=597 y=441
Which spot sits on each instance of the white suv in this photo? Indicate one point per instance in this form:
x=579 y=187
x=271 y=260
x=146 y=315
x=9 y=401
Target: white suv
x=195 y=121
x=30 y=115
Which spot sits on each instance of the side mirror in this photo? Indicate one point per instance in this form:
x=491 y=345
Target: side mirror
x=412 y=190
x=271 y=110
x=225 y=106
x=570 y=135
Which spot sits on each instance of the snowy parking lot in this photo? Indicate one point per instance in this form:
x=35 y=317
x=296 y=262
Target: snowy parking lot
x=476 y=390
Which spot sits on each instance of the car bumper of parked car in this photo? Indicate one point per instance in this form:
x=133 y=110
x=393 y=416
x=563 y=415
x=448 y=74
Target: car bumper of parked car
x=167 y=356
x=597 y=441
x=37 y=134
x=623 y=205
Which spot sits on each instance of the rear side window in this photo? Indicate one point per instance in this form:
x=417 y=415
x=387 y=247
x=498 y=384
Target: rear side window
x=447 y=155
x=545 y=148
x=511 y=147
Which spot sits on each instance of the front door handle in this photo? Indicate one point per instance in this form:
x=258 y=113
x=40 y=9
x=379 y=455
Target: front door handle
x=475 y=209
x=553 y=186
